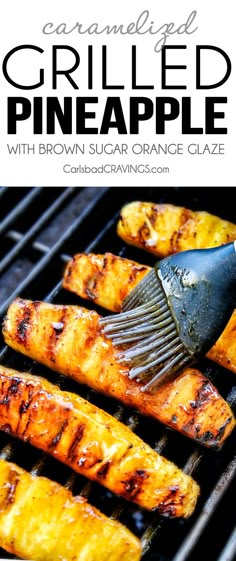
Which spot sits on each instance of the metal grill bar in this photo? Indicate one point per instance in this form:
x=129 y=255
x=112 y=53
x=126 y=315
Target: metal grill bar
x=161 y=444
x=7 y=260
x=40 y=464
x=192 y=462
x=207 y=512
x=157 y=524
x=19 y=208
x=2 y=191
x=69 y=484
x=150 y=534
x=229 y=551
x=7 y=451
x=38 y=246
x=3 y=352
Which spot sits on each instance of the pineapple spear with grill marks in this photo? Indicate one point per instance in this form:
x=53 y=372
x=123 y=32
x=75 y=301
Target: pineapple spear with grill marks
x=163 y=229
x=41 y=520
x=69 y=339
x=93 y=443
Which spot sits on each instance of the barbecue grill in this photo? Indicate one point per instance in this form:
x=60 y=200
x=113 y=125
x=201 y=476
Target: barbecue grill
x=40 y=228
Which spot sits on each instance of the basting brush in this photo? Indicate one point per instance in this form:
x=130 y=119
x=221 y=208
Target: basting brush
x=175 y=314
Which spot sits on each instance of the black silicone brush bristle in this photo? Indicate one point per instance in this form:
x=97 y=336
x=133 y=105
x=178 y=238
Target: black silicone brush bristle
x=149 y=330
x=174 y=314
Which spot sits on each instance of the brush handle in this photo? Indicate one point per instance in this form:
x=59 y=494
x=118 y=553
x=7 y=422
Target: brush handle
x=200 y=286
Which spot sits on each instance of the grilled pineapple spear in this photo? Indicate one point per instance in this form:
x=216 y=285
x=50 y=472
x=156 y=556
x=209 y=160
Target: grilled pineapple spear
x=104 y=279
x=41 y=520
x=163 y=229
x=68 y=339
x=93 y=443
x=107 y=279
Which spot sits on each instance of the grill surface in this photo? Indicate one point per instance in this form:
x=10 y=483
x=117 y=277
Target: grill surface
x=40 y=228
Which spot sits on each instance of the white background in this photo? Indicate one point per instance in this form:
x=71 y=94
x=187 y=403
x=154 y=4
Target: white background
x=22 y=24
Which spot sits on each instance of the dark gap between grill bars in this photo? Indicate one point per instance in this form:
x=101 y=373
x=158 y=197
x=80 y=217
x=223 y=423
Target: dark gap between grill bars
x=96 y=225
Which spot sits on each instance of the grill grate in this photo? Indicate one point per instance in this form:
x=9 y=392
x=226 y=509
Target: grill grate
x=40 y=229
